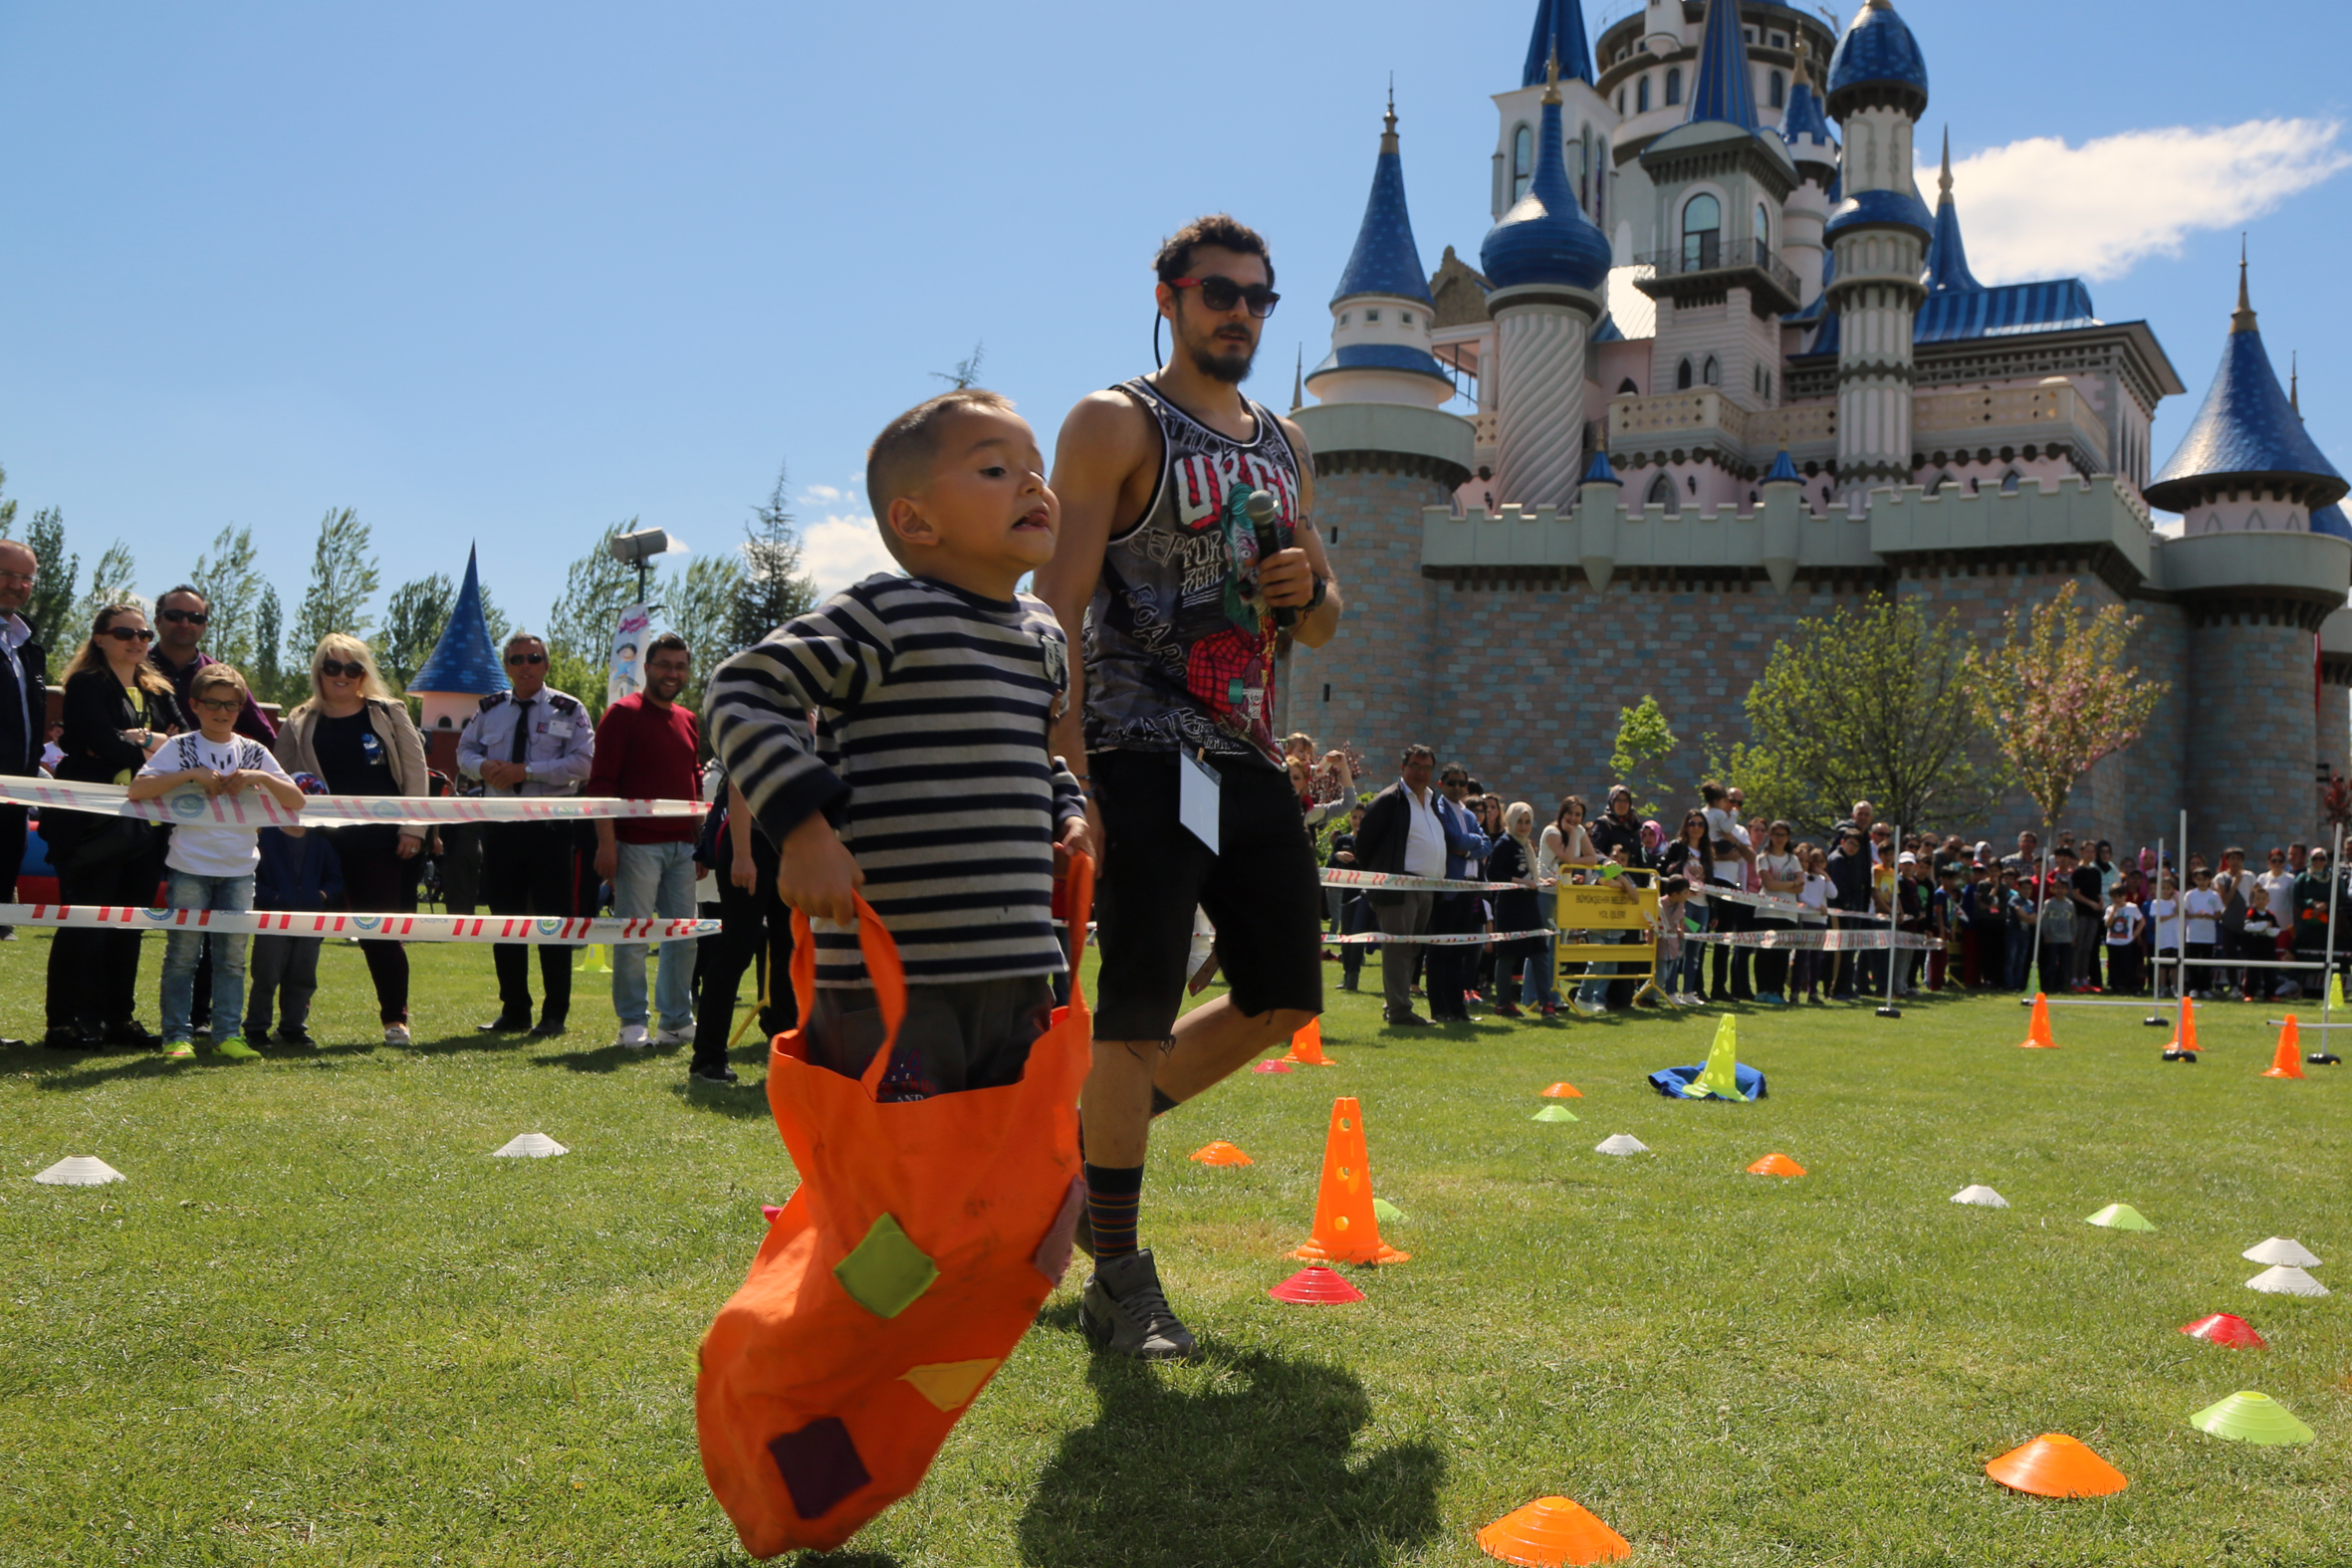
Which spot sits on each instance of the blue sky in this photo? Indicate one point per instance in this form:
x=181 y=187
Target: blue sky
x=506 y=274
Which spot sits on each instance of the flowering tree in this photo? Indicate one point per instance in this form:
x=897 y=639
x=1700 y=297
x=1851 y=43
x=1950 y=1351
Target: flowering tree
x=2057 y=695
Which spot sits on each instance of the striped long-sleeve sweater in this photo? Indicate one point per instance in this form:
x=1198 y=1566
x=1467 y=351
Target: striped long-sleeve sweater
x=930 y=710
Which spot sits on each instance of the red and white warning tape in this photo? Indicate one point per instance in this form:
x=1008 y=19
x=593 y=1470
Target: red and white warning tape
x=534 y=929
x=259 y=809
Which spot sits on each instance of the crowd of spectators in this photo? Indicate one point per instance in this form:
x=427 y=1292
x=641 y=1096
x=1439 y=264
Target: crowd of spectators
x=2079 y=919
x=143 y=706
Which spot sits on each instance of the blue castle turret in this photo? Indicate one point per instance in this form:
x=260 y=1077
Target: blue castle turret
x=1380 y=311
x=1558 y=35
x=462 y=669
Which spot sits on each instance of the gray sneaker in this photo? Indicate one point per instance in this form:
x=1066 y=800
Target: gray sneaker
x=1125 y=1312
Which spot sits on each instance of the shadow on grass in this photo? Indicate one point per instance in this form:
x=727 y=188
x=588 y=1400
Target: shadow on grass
x=1259 y=1465
x=73 y=1070
x=743 y=1101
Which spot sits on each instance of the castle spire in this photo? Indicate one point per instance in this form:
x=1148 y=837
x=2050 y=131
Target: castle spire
x=1725 y=89
x=2294 y=398
x=1298 y=382
x=2241 y=320
x=1385 y=259
x=1559 y=36
x=1948 y=259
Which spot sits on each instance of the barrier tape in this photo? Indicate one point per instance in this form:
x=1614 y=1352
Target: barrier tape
x=1789 y=908
x=259 y=809
x=534 y=929
x=1819 y=941
x=1450 y=940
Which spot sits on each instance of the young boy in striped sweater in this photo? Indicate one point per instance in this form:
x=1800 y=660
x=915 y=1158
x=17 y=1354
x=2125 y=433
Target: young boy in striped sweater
x=924 y=781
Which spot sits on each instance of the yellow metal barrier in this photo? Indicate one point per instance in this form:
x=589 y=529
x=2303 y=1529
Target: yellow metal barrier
x=1613 y=905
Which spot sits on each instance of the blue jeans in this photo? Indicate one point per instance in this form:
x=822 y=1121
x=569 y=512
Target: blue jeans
x=655 y=879
x=182 y=946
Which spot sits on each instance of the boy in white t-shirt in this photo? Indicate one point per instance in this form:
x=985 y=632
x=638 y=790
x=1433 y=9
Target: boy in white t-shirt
x=211 y=866
x=2123 y=941
x=2204 y=908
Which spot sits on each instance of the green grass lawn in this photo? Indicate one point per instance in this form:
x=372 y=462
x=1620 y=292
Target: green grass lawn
x=319 y=1325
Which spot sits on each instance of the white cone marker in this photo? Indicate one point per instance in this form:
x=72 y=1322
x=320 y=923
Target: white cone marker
x=1622 y=1143
x=2281 y=1249
x=528 y=1145
x=2284 y=1281
x=1979 y=1196
x=83 y=1169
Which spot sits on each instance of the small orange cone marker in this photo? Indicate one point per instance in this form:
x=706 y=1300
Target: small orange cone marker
x=2057 y=1465
x=2287 y=1060
x=1315 y=1285
x=1775 y=1165
x=2226 y=1328
x=1550 y=1533
x=1220 y=1153
x=1346 y=1230
x=2184 y=1036
x=1277 y=1064
x=1562 y=1091
x=1306 y=1047
x=2037 y=1034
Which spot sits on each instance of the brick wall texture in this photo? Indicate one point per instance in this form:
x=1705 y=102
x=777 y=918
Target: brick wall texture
x=1526 y=683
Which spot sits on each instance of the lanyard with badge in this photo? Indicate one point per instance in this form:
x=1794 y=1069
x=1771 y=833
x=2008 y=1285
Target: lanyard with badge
x=1196 y=796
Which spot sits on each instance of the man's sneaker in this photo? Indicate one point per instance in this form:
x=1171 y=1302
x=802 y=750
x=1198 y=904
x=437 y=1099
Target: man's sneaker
x=633 y=1038
x=234 y=1048
x=684 y=1036
x=1772 y=999
x=181 y=1050
x=396 y=1034
x=720 y=1074
x=1125 y=1312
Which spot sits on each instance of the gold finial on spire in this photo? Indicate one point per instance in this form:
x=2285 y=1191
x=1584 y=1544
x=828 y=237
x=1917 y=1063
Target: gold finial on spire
x=1552 y=74
x=2293 y=399
x=1802 y=74
x=1944 y=180
x=2241 y=320
x=1298 y=382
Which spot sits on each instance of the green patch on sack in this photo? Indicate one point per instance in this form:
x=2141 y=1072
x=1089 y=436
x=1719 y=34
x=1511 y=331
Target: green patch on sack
x=886 y=1272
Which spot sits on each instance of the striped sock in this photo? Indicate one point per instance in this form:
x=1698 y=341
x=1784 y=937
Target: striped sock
x=1113 y=1195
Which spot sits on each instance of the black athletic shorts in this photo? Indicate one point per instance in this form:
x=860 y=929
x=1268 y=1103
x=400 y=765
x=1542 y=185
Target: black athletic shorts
x=1262 y=891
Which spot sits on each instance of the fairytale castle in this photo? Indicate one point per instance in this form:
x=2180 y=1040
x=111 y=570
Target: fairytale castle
x=1731 y=372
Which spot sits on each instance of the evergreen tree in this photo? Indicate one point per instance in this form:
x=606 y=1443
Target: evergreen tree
x=110 y=582
x=412 y=622
x=50 y=609
x=773 y=586
x=230 y=584
x=700 y=606
x=267 y=677
x=342 y=580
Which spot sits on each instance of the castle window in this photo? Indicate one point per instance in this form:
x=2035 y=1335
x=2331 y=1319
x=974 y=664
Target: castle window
x=1681 y=376
x=1662 y=495
x=1626 y=388
x=1780 y=91
x=1713 y=373
x=1641 y=96
x=1343 y=318
x=1406 y=317
x=1523 y=162
x=1701 y=233
x=1600 y=177
x=1779 y=40
x=1763 y=230
x=1692 y=480
x=1327 y=691
x=2255 y=521
x=1371 y=315
x=1620 y=103
x=1672 y=85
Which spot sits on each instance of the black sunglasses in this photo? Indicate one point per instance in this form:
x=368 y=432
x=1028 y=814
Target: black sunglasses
x=192 y=617
x=1223 y=293
x=526 y=658
x=332 y=668
x=126 y=634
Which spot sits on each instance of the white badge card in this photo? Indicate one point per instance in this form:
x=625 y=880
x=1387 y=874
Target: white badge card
x=1196 y=798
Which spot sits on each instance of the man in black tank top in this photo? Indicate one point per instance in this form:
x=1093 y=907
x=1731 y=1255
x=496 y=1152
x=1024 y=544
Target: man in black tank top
x=1160 y=565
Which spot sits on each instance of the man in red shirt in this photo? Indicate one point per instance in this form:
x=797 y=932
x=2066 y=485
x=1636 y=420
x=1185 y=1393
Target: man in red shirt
x=647 y=749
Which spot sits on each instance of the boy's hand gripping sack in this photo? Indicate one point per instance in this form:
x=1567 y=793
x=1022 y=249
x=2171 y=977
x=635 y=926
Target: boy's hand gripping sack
x=921 y=1242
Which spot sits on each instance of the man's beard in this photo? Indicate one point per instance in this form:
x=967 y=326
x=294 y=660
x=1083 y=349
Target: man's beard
x=1231 y=367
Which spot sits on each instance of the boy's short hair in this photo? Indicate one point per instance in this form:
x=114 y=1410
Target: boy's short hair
x=217 y=674
x=1669 y=886
x=1222 y=230
x=899 y=462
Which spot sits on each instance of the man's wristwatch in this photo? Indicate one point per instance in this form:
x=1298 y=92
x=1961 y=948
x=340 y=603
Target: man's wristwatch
x=1314 y=600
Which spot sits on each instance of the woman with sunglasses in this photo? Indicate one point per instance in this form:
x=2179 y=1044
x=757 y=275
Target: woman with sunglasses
x=354 y=734
x=119 y=709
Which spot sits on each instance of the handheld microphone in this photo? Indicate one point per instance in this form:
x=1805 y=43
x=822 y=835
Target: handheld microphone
x=1262 y=509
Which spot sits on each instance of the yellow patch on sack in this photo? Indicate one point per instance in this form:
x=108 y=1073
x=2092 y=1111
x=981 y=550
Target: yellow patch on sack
x=949 y=1385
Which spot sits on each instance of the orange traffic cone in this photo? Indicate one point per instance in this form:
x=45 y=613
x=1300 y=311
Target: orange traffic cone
x=1561 y=1091
x=2037 y=1034
x=2057 y=1465
x=1306 y=1047
x=2287 y=1060
x=1220 y=1153
x=1550 y=1533
x=2185 y=1035
x=1345 y=1228
x=1775 y=1165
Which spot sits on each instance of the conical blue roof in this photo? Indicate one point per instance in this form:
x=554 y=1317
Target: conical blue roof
x=1803 y=117
x=1948 y=259
x=1560 y=33
x=1385 y=259
x=2331 y=518
x=1877 y=55
x=1725 y=89
x=2245 y=428
x=1598 y=471
x=1546 y=237
x=1782 y=471
x=464 y=663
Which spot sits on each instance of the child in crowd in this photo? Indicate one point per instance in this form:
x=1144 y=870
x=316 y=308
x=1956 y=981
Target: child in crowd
x=858 y=799
x=2203 y=908
x=2020 y=910
x=1805 y=973
x=2164 y=919
x=299 y=873
x=2123 y=942
x=1674 y=896
x=210 y=864
x=2261 y=941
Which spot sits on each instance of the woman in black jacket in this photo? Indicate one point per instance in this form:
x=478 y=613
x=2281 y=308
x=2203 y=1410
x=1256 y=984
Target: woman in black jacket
x=1692 y=859
x=118 y=708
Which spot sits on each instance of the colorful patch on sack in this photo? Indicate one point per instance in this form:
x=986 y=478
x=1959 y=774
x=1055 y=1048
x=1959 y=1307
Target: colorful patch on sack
x=820 y=1465
x=1051 y=1258
x=886 y=1272
x=949 y=1385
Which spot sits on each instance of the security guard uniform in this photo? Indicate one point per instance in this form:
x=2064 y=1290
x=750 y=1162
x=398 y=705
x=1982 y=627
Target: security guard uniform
x=529 y=868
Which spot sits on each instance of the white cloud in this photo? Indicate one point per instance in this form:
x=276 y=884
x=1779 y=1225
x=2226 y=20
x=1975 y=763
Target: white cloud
x=820 y=495
x=2039 y=208
x=843 y=549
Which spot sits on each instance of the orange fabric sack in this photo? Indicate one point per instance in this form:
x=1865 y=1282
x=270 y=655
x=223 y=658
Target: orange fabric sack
x=921 y=1242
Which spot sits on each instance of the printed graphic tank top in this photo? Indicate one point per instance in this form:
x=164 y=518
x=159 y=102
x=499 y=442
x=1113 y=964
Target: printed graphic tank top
x=1179 y=651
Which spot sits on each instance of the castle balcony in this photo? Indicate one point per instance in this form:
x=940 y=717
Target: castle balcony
x=1670 y=426
x=1955 y=426
x=2290 y=579
x=1707 y=266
